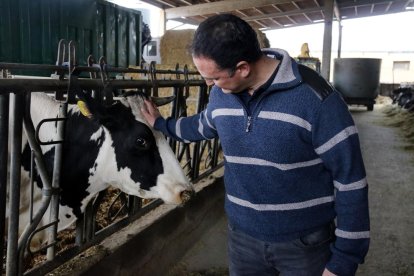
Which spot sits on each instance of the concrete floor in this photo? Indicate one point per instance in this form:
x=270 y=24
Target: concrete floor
x=391 y=191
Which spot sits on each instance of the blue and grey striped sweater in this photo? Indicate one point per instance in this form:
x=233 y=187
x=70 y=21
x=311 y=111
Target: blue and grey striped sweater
x=292 y=162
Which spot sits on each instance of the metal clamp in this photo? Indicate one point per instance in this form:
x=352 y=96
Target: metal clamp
x=38 y=130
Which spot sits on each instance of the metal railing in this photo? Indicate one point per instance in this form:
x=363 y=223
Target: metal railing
x=105 y=83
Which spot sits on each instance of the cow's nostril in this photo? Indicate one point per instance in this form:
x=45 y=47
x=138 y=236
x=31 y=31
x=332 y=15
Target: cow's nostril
x=186 y=195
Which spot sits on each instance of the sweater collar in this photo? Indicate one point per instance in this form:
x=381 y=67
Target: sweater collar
x=287 y=75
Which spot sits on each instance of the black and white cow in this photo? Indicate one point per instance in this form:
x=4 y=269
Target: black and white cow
x=113 y=147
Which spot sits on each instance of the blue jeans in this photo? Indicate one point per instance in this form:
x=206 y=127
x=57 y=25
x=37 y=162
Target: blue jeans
x=305 y=256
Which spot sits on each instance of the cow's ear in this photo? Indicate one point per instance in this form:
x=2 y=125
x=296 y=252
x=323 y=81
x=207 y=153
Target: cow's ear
x=95 y=110
x=91 y=108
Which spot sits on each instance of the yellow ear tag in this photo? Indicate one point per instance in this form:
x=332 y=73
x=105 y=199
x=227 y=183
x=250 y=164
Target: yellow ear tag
x=84 y=109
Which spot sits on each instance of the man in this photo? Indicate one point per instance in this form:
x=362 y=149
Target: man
x=292 y=156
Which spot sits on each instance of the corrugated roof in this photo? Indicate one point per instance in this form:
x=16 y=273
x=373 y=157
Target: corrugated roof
x=276 y=14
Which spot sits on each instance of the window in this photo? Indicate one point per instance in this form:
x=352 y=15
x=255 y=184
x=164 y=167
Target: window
x=401 y=65
x=152 y=49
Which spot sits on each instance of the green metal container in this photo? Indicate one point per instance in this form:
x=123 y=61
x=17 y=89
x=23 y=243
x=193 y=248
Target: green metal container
x=31 y=29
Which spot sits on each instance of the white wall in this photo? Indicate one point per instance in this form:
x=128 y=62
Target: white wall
x=388 y=37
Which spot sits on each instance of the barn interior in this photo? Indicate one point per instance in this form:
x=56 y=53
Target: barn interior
x=54 y=46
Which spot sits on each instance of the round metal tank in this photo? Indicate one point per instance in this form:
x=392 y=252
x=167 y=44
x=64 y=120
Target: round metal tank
x=357 y=77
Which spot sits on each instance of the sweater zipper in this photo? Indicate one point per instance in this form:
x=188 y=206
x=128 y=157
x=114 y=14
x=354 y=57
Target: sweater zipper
x=249 y=122
x=249 y=116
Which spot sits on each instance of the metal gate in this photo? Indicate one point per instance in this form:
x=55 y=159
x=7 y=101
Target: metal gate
x=105 y=82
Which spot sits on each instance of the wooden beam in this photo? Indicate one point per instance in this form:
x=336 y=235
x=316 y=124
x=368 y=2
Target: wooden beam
x=218 y=7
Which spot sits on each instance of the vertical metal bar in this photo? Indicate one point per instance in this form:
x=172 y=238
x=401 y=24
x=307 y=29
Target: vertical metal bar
x=89 y=222
x=57 y=167
x=17 y=102
x=4 y=130
x=338 y=16
x=216 y=150
x=196 y=151
x=339 y=39
x=44 y=175
x=196 y=160
x=175 y=114
x=134 y=205
x=32 y=184
x=80 y=232
x=327 y=39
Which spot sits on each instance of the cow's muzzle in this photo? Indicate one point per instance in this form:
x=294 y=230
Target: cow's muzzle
x=186 y=195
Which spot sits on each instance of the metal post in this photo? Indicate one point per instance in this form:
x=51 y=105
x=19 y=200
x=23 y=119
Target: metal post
x=12 y=262
x=57 y=167
x=44 y=175
x=340 y=39
x=4 y=131
x=327 y=39
x=339 y=18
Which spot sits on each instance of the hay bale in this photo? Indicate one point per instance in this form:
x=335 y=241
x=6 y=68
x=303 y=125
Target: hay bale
x=403 y=119
x=174 y=47
x=263 y=41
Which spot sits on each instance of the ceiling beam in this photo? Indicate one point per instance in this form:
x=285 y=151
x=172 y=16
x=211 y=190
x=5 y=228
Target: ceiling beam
x=281 y=14
x=218 y=7
x=358 y=3
x=336 y=11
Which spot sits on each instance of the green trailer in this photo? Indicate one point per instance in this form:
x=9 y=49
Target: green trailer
x=30 y=31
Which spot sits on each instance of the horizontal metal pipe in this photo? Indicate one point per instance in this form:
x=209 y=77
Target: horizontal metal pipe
x=41 y=85
x=4 y=65
x=107 y=68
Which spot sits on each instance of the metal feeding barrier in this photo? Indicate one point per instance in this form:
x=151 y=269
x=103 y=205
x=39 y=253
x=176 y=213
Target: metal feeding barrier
x=104 y=83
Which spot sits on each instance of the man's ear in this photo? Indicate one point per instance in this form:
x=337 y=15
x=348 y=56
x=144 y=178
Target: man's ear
x=244 y=68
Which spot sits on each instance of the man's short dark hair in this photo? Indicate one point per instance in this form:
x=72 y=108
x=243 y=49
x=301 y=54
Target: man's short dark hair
x=226 y=39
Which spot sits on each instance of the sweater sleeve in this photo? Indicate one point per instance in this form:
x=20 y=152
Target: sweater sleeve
x=188 y=129
x=335 y=139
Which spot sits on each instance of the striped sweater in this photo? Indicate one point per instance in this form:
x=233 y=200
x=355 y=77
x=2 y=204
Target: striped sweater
x=292 y=161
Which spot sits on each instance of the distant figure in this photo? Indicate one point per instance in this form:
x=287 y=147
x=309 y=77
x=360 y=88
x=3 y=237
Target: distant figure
x=145 y=38
x=304 y=51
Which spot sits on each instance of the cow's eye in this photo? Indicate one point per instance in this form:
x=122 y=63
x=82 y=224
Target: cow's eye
x=141 y=143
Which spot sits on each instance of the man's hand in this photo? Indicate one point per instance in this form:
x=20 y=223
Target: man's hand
x=150 y=112
x=326 y=272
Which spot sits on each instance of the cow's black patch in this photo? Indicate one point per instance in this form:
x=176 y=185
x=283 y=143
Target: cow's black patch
x=79 y=155
x=135 y=146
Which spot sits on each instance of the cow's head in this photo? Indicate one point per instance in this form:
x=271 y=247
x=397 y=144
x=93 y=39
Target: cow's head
x=134 y=157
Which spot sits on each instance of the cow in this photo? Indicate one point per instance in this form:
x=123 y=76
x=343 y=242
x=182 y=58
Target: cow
x=103 y=146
